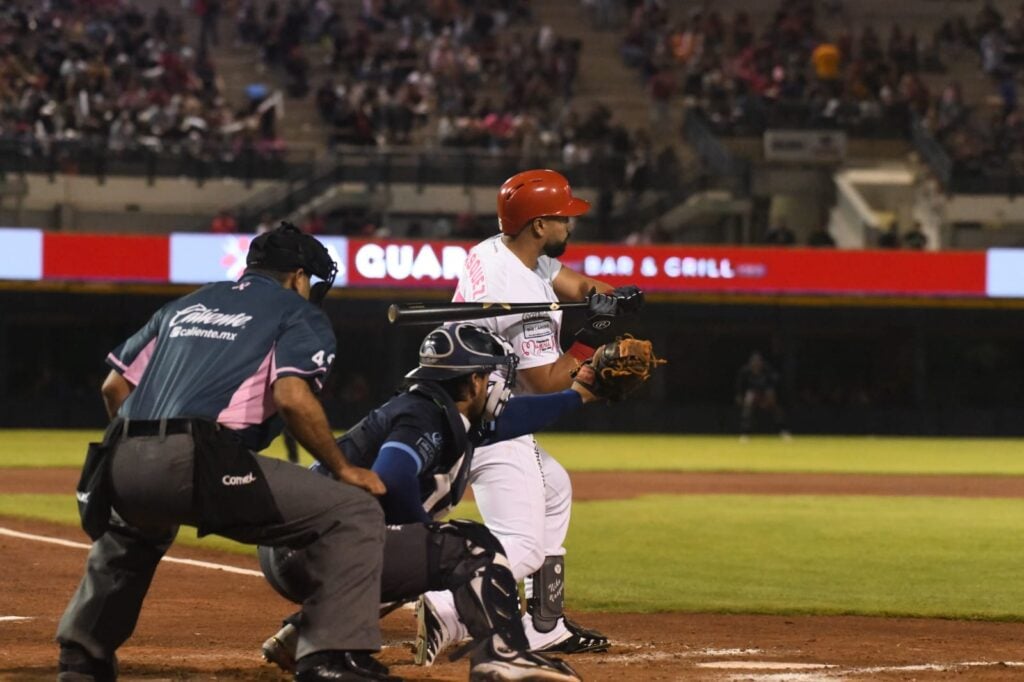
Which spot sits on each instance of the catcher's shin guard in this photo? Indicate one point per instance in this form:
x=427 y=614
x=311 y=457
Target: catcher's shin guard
x=486 y=593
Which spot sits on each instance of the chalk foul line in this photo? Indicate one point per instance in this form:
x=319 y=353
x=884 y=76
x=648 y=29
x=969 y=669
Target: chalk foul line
x=173 y=560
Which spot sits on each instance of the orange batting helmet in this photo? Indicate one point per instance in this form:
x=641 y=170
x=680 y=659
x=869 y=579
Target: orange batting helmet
x=535 y=193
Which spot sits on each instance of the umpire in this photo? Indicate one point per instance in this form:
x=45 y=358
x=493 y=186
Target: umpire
x=192 y=396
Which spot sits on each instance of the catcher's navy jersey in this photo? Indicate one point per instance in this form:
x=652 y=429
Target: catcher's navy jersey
x=422 y=428
x=216 y=353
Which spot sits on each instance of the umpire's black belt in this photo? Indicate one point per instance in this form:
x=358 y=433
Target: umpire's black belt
x=137 y=428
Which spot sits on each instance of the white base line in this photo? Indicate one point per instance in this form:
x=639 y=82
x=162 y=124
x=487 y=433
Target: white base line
x=173 y=560
x=13 y=619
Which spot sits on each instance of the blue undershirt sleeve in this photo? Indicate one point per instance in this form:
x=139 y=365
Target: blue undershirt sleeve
x=532 y=413
x=398 y=467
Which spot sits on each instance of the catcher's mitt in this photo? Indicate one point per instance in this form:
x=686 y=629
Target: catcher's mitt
x=618 y=368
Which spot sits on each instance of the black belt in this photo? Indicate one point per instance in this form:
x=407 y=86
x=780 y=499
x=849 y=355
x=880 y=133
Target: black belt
x=137 y=428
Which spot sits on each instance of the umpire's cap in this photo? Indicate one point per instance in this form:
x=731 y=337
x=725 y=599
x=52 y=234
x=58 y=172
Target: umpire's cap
x=287 y=248
x=459 y=348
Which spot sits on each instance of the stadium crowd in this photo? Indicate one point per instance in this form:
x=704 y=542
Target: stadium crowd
x=105 y=75
x=481 y=72
x=786 y=72
x=983 y=138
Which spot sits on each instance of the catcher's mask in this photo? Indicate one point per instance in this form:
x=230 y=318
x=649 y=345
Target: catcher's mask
x=456 y=349
x=535 y=194
x=286 y=249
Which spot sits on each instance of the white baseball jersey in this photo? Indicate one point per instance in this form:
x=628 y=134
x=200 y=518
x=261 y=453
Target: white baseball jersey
x=523 y=494
x=493 y=273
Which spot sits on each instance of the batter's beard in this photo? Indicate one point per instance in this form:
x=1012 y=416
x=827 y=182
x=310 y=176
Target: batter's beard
x=555 y=250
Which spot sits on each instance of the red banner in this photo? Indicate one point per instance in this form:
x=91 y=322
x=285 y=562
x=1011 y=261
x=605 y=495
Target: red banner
x=787 y=271
x=404 y=264
x=675 y=268
x=105 y=257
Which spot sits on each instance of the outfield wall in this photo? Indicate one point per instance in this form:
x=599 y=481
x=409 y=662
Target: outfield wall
x=847 y=365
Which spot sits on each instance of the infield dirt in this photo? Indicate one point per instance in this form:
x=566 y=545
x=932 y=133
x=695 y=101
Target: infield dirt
x=207 y=625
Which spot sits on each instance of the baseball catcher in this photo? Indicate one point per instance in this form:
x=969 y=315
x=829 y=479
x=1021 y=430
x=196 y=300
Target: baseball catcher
x=421 y=444
x=618 y=368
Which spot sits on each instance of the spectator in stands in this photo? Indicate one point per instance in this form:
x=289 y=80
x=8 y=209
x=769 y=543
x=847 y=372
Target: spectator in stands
x=661 y=88
x=314 y=224
x=224 y=222
x=915 y=239
x=821 y=238
x=266 y=224
x=296 y=65
x=825 y=59
x=208 y=12
x=890 y=237
x=779 y=234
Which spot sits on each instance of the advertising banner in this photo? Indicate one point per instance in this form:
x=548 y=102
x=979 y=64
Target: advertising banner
x=188 y=258
x=820 y=146
x=21 y=253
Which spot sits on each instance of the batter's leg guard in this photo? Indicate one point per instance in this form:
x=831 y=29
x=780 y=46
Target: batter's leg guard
x=547 y=594
x=545 y=604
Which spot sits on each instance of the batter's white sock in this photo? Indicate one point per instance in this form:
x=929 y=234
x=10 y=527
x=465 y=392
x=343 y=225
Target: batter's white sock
x=540 y=640
x=444 y=606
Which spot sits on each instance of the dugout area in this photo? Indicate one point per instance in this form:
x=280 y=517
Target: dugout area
x=847 y=366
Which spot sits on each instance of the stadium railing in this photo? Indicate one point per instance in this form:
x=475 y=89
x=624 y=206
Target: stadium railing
x=96 y=158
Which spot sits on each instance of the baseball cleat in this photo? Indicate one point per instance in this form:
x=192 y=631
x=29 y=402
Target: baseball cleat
x=576 y=640
x=431 y=635
x=280 y=649
x=342 y=666
x=522 y=666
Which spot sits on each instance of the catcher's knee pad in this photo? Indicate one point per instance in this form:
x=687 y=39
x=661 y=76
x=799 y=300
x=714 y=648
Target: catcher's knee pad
x=546 y=602
x=285 y=570
x=472 y=564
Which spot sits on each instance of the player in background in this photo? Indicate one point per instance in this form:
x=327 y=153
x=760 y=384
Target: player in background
x=522 y=492
x=756 y=388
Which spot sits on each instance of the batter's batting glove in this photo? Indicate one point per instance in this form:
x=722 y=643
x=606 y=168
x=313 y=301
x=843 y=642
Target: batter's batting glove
x=602 y=309
x=629 y=299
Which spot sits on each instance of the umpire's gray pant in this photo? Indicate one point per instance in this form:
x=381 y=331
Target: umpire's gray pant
x=340 y=526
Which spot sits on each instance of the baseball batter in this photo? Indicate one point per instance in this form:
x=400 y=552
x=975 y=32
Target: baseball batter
x=522 y=492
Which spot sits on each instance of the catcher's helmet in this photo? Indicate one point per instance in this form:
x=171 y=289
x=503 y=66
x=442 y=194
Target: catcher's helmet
x=287 y=248
x=533 y=194
x=456 y=349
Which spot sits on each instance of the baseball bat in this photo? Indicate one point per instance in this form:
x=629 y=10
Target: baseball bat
x=431 y=313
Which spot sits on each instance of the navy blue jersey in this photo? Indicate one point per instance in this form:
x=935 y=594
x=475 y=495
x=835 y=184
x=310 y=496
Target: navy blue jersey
x=425 y=425
x=423 y=428
x=216 y=353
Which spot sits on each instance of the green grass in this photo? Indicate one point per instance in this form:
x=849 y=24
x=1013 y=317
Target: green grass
x=941 y=557
x=610 y=452
x=66 y=448
x=614 y=452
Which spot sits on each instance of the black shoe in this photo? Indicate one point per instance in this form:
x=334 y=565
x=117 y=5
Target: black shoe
x=76 y=665
x=578 y=640
x=341 y=666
